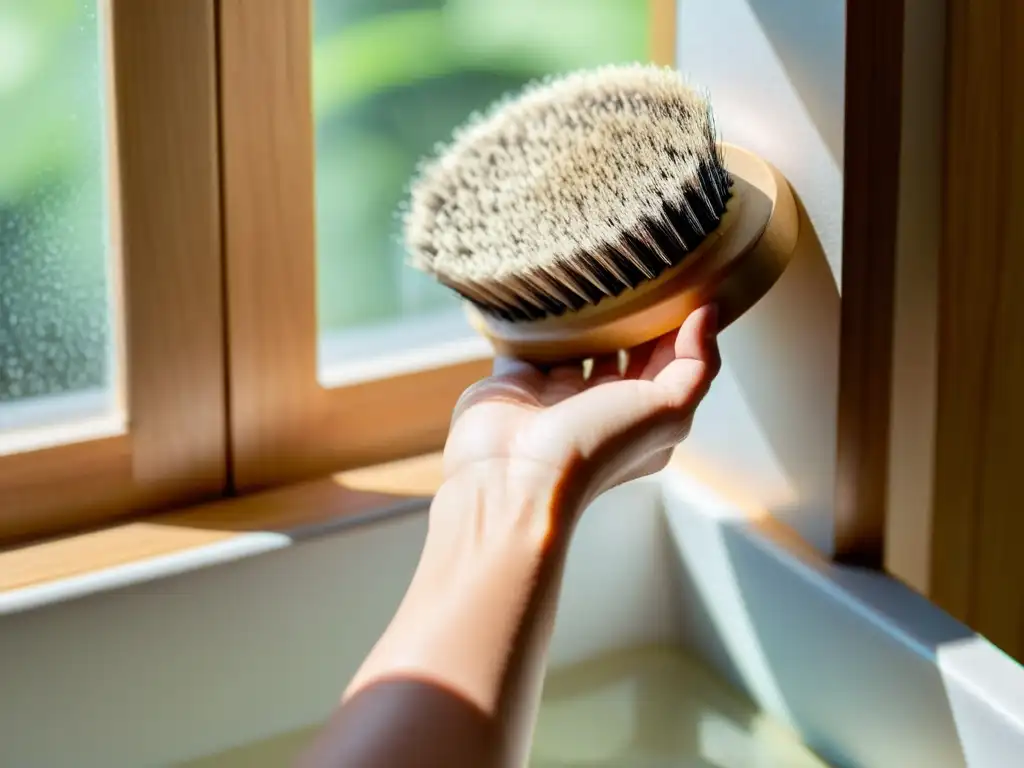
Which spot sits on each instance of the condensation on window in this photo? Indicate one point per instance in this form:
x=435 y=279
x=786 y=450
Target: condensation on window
x=55 y=316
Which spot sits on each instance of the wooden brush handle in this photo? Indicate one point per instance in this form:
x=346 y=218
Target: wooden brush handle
x=734 y=267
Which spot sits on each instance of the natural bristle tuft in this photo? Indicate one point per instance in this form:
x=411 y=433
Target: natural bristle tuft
x=579 y=189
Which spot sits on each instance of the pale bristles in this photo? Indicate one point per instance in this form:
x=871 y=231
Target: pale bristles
x=580 y=188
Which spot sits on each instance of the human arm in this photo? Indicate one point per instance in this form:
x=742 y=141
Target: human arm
x=455 y=680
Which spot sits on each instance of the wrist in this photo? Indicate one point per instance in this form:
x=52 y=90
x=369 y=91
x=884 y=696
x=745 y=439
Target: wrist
x=489 y=506
x=493 y=552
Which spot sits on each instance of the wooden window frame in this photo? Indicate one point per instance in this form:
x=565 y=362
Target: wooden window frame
x=216 y=282
x=218 y=247
x=284 y=424
x=166 y=232
x=973 y=567
x=932 y=363
x=871 y=178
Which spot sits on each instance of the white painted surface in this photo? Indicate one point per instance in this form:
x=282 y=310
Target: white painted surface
x=774 y=70
x=96 y=582
x=865 y=670
x=870 y=673
x=188 y=665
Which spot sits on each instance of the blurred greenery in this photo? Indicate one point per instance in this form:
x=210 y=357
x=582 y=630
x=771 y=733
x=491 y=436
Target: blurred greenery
x=53 y=284
x=392 y=78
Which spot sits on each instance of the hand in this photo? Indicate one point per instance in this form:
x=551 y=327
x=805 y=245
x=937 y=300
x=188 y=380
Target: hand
x=464 y=655
x=579 y=436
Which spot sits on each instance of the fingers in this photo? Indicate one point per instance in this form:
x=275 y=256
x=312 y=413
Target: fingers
x=640 y=357
x=664 y=352
x=510 y=366
x=693 y=341
x=696 y=361
x=645 y=416
x=562 y=381
x=606 y=368
x=494 y=389
x=697 y=338
x=545 y=386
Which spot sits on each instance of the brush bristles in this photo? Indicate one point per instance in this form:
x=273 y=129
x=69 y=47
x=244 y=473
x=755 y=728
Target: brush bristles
x=579 y=189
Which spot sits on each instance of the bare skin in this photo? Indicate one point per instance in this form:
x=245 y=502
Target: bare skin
x=455 y=680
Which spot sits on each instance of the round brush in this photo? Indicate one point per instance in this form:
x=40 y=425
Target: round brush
x=595 y=211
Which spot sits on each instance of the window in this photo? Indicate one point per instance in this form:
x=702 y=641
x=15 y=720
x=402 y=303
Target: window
x=203 y=289
x=338 y=354
x=390 y=81
x=57 y=361
x=111 y=364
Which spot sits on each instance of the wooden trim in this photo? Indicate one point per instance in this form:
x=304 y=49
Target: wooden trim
x=932 y=422
x=909 y=499
x=968 y=297
x=167 y=186
x=267 y=144
x=60 y=488
x=284 y=425
x=978 y=572
x=322 y=501
x=171 y=245
x=874 y=51
x=663 y=31
x=998 y=609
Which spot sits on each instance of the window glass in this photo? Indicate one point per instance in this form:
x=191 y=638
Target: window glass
x=391 y=79
x=56 y=359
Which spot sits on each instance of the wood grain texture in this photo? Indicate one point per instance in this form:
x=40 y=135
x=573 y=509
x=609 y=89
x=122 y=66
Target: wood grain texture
x=663 y=31
x=64 y=487
x=317 y=502
x=909 y=501
x=267 y=140
x=166 y=191
x=968 y=291
x=979 y=531
x=874 y=32
x=165 y=92
x=285 y=426
x=948 y=493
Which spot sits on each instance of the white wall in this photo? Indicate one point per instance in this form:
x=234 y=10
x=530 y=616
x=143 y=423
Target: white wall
x=190 y=665
x=867 y=671
x=775 y=73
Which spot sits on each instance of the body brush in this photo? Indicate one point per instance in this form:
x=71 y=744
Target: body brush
x=594 y=212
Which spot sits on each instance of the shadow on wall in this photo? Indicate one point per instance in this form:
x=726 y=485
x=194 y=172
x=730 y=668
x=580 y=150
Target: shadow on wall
x=766 y=432
x=835 y=652
x=805 y=35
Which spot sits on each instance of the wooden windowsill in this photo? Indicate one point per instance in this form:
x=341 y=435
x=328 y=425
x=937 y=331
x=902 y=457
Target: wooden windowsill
x=166 y=544
x=158 y=546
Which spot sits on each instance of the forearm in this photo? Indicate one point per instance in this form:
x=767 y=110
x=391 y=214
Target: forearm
x=456 y=678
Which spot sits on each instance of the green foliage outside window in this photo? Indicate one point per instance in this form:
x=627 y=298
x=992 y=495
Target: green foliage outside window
x=391 y=79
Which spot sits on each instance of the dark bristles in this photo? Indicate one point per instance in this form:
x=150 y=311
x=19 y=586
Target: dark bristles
x=581 y=188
